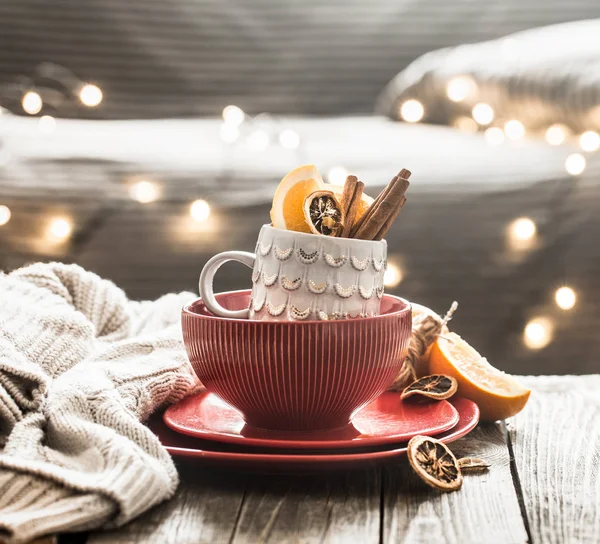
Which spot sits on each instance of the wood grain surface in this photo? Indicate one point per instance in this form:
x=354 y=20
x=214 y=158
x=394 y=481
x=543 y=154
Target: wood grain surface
x=543 y=487
x=556 y=442
x=486 y=509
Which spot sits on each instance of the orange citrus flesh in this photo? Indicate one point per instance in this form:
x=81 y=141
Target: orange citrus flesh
x=287 y=211
x=497 y=394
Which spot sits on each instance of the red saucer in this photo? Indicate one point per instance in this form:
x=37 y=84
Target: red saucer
x=247 y=459
x=387 y=420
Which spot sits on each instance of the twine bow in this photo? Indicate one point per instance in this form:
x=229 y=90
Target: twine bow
x=426 y=328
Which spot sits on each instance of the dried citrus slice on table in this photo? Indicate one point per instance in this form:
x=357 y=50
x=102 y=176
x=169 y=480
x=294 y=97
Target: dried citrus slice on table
x=435 y=464
x=497 y=394
x=288 y=202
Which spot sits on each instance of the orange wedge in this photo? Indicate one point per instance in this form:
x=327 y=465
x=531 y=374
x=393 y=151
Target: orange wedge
x=497 y=394
x=363 y=205
x=288 y=202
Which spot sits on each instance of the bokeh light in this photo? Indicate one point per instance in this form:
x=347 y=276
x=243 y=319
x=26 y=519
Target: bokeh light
x=60 y=229
x=393 y=275
x=483 y=113
x=233 y=115
x=494 y=136
x=538 y=333
x=144 y=191
x=523 y=229
x=460 y=88
x=289 y=139
x=514 y=130
x=337 y=175
x=4 y=215
x=90 y=95
x=32 y=103
x=465 y=124
x=556 y=134
x=200 y=210
x=575 y=164
x=589 y=141
x=412 y=111
x=565 y=298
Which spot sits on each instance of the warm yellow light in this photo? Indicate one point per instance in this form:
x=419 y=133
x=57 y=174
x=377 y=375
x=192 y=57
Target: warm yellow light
x=575 y=164
x=90 y=95
x=514 y=129
x=556 y=134
x=337 y=175
x=412 y=111
x=4 y=215
x=200 y=210
x=259 y=140
x=483 y=113
x=538 y=333
x=229 y=133
x=392 y=275
x=289 y=139
x=60 y=229
x=32 y=102
x=565 y=298
x=461 y=87
x=144 y=192
x=233 y=115
x=465 y=124
x=589 y=141
x=494 y=136
x=522 y=229
x=46 y=124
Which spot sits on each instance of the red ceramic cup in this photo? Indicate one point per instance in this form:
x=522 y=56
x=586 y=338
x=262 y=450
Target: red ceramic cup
x=307 y=375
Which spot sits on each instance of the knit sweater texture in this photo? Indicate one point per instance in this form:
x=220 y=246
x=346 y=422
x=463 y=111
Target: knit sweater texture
x=81 y=368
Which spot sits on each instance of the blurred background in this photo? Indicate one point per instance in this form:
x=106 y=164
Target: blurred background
x=138 y=139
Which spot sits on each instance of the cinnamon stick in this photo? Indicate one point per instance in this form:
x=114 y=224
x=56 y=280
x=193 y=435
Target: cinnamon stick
x=405 y=174
x=382 y=210
x=386 y=226
x=352 y=208
x=349 y=188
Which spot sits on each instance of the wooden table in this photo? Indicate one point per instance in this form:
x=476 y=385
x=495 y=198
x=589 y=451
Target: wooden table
x=544 y=486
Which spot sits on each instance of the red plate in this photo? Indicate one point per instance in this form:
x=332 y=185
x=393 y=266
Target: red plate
x=387 y=420
x=266 y=461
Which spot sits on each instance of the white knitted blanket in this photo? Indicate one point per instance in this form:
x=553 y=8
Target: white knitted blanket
x=81 y=367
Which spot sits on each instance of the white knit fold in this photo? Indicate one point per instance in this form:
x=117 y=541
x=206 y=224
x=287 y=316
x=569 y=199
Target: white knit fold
x=81 y=367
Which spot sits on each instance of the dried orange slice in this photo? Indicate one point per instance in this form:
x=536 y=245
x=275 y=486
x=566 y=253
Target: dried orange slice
x=287 y=211
x=436 y=387
x=435 y=464
x=323 y=213
x=497 y=394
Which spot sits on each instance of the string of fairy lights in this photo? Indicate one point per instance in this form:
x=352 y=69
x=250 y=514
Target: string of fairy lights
x=521 y=233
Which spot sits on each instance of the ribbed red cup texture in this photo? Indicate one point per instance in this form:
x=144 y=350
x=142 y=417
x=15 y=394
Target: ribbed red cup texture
x=310 y=375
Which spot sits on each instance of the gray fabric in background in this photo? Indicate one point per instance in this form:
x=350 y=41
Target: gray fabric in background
x=192 y=57
x=450 y=239
x=540 y=77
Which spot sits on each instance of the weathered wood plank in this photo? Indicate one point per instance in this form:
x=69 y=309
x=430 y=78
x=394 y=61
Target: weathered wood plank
x=204 y=510
x=486 y=509
x=314 y=508
x=556 y=442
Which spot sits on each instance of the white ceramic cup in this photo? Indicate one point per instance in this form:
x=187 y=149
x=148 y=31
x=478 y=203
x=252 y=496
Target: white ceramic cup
x=298 y=276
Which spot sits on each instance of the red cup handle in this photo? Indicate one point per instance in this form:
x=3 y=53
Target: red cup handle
x=205 y=284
